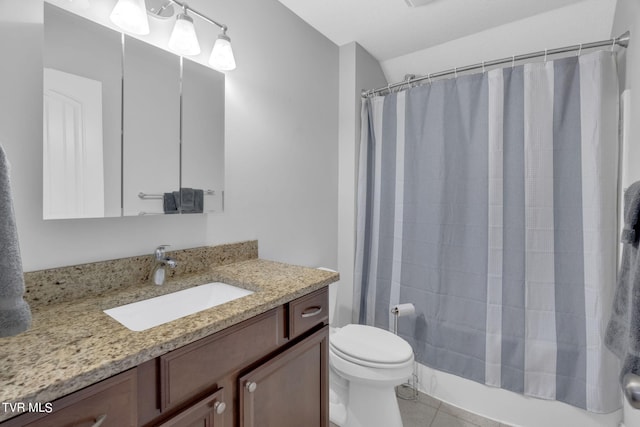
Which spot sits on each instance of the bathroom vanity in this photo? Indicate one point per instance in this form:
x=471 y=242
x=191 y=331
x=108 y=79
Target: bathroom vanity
x=258 y=360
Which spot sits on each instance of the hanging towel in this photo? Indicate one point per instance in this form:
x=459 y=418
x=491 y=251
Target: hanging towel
x=176 y=199
x=198 y=201
x=15 y=315
x=631 y=211
x=189 y=200
x=623 y=330
x=169 y=203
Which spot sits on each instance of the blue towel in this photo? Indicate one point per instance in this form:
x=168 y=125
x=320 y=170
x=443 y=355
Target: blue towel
x=198 y=201
x=187 y=199
x=169 y=203
x=623 y=331
x=15 y=315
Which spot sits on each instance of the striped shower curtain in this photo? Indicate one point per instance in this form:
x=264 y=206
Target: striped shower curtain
x=489 y=202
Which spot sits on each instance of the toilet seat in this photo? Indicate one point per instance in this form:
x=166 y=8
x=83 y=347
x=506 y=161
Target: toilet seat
x=371 y=347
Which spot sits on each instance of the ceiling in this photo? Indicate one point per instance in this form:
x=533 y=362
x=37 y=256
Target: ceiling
x=390 y=28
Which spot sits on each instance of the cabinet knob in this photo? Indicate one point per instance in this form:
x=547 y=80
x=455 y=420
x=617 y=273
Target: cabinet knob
x=251 y=386
x=219 y=407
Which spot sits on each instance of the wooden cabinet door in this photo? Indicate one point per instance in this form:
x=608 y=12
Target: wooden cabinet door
x=207 y=412
x=289 y=390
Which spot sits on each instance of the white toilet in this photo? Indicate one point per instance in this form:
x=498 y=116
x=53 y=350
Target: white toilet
x=366 y=363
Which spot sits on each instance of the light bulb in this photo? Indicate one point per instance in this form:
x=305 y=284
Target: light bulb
x=131 y=16
x=222 y=55
x=183 y=40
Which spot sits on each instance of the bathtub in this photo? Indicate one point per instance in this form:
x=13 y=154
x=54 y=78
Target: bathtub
x=508 y=407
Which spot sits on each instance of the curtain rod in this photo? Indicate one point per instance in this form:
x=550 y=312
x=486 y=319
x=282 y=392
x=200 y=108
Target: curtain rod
x=622 y=40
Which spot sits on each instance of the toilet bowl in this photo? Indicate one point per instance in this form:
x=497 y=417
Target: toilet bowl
x=366 y=363
x=372 y=361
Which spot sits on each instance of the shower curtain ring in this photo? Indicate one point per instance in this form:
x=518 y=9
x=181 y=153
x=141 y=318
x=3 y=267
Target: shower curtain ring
x=483 y=67
x=429 y=77
x=580 y=50
x=455 y=72
x=545 y=55
x=613 y=44
x=513 y=61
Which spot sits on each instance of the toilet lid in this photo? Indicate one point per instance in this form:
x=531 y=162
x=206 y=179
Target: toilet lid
x=372 y=345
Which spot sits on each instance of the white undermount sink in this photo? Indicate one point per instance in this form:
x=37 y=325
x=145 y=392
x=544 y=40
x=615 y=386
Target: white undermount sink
x=151 y=312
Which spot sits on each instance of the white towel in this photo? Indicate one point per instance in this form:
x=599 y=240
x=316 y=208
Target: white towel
x=15 y=315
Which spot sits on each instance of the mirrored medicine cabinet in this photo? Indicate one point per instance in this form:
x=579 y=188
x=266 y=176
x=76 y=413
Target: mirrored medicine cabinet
x=126 y=125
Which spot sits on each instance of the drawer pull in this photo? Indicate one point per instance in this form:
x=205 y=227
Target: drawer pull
x=219 y=407
x=251 y=386
x=98 y=422
x=311 y=311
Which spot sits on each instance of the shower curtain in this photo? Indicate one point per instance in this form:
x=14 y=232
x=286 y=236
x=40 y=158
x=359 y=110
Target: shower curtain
x=489 y=202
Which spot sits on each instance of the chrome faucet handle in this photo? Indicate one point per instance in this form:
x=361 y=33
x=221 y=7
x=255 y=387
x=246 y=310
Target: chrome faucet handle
x=159 y=253
x=170 y=262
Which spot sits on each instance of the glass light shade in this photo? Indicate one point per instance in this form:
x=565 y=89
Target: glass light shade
x=183 y=40
x=222 y=55
x=131 y=16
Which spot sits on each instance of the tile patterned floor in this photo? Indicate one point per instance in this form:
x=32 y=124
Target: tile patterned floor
x=430 y=412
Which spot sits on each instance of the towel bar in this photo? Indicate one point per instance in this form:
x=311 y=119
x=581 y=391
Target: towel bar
x=147 y=196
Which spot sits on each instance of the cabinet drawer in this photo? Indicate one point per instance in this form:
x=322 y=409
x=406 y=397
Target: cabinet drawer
x=308 y=311
x=196 y=367
x=113 y=401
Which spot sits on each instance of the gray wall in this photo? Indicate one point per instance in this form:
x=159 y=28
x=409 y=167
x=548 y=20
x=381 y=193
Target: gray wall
x=358 y=70
x=281 y=135
x=281 y=146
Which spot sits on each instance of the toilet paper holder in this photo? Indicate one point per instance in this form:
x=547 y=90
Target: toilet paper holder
x=408 y=390
x=401 y=310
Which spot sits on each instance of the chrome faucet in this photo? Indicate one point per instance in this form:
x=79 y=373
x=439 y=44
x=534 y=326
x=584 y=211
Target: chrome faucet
x=161 y=261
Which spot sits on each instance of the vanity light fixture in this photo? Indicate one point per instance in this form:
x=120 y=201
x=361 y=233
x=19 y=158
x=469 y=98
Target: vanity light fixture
x=183 y=40
x=222 y=56
x=131 y=16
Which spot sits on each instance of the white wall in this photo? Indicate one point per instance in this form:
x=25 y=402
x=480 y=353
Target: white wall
x=281 y=146
x=586 y=21
x=627 y=17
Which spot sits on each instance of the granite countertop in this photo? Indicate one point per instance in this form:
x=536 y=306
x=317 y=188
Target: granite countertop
x=74 y=344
